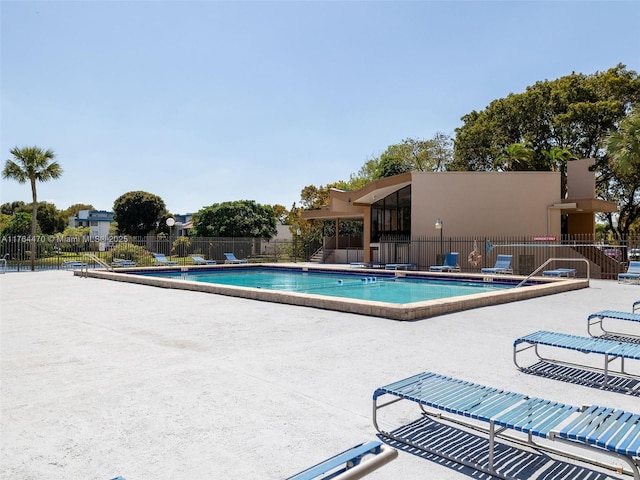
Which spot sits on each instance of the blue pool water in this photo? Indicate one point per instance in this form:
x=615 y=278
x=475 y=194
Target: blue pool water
x=360 y=286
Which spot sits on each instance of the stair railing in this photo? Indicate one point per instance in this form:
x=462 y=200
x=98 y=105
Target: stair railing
x=555 y=260
x=95 y=258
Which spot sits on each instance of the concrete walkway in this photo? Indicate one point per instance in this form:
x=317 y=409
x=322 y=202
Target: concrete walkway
x=102 y=378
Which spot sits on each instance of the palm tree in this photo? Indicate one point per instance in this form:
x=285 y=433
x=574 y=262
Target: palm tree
x=556 y=161
x=35 y=165
x=515 y=157
x=623 y=145
x=623 y=150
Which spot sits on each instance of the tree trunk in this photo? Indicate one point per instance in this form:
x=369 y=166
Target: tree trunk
x=34 y=223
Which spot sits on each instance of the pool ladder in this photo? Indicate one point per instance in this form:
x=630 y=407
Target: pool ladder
x=85 y=268
x=555 y=260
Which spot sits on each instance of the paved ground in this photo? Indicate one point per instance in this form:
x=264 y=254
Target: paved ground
x=102 y=378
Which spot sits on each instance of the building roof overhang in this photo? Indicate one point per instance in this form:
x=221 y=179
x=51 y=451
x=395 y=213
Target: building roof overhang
x=359 y=199
x=325 y=213
x=586 y=205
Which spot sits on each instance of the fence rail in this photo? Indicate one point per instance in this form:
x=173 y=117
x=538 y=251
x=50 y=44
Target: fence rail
x=54 y=252
x=606 y=258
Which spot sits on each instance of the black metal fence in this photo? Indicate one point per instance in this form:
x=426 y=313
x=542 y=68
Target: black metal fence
x=606 y=258
x=56 y=252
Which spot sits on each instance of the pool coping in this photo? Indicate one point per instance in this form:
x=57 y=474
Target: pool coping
x=402 y=312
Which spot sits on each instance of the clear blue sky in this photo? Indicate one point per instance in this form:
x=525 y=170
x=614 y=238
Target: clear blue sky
x=202 y=102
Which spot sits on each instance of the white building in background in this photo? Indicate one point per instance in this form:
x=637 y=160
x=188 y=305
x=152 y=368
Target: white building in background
x=98 y=221
x=183 y=224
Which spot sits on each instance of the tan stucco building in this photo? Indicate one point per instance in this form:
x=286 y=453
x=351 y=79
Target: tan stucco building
x=526 y=204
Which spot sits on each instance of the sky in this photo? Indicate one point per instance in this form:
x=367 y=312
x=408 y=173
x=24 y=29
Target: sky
x=203 y=102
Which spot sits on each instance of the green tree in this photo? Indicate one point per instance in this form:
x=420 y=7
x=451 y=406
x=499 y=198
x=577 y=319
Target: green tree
x=74 y=210
x=557 y=159
x=34 y=165
x=281 y=213
x=623 y=175
x=365 y=175
x=11 y=208
x=433 y=155
x=623 y=146
x=162 y=224
x=73 y=232
x=575 y=112
x=50 y=219
x=517 y=156
x=19 y=225
x=391 y=165
x=243 y=218
x=138 y=212
x=4 y=219
x=312 y=197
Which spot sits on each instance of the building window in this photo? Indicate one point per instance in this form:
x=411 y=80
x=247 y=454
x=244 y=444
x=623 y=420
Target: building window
x=392 y=215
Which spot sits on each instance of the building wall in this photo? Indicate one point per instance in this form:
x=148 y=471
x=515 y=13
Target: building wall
x=485 y=203
x=581 y=224
x=98 y=221
x=581 y=183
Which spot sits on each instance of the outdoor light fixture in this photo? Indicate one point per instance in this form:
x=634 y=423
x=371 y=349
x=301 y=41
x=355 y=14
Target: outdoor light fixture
x=295 y=245
x=439 y=226
x=170 y=223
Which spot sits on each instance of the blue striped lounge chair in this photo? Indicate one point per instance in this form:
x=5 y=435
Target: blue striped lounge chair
x=503 y=265
x=514 y=416
x=349 y=464
x=595 y=322
x=121 y=262
x=70 y=264
x=450 y=264
x=161 y=259
x=201 y=261
x=401 y=266
x=632 y=274
x=231 y=258
x=609 y=349
x=560 y=272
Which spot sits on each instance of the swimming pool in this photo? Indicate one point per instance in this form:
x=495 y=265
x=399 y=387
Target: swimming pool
x=492 y=290
x=358 y=286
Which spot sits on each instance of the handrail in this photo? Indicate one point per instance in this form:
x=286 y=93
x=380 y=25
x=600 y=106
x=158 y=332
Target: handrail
x=97 y=260
x=4 y=262
x=554 y=260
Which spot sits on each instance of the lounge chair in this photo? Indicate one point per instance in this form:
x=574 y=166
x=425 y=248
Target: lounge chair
x=231 y=258
x=502 y=414
x=636 y=306
x=503 y=265
x=450 y=264
x=633 y=272
x=201 y=261
x=121 y=262
x=609 y=349
x=560 y=272
x=73 y=264
x=161 y=259
x=366 y=265
x=400 y=266
x=598 y=319
x=349 y=463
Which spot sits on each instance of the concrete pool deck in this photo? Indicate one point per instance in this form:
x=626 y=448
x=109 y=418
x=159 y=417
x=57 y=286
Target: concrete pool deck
x=103 y=378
